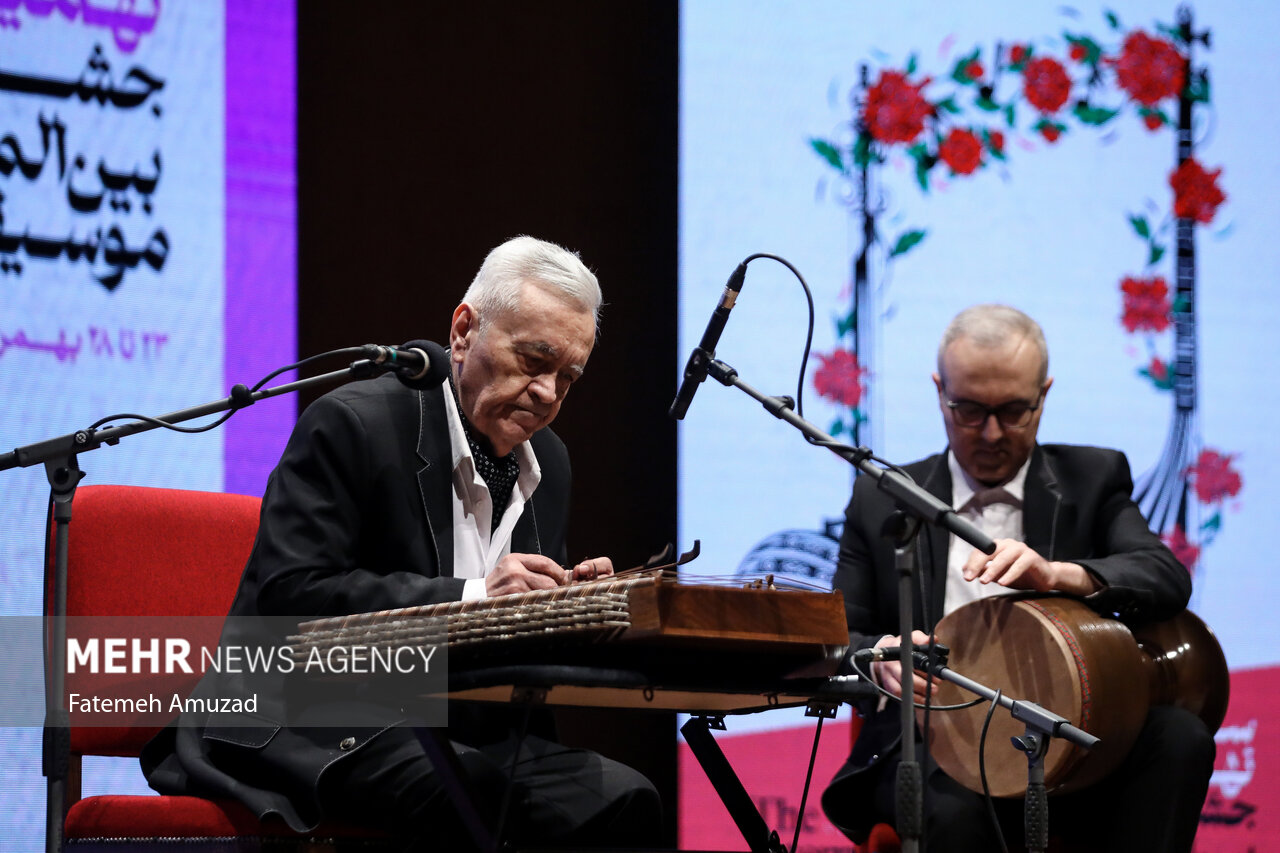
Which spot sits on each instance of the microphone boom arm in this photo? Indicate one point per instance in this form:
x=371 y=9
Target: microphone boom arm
x=905 y=493
x=54 y=449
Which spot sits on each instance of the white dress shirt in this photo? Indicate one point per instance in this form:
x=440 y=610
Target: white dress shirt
x=997 y=512
x=475 y=552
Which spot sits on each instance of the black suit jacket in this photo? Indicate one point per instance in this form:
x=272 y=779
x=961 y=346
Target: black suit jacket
x=1076 y=508
x=357 y=517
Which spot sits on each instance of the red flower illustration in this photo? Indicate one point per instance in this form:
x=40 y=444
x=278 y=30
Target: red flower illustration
x=1213 y=476
x=1196 y=194
x=895 y=109
x=1153 y=121
x=1146 y=304
x=839 y=378
x=996 y=140
x=1186 y=552
x=974 y=70
x=1046 y=84
x=962 y=151
x=1149 y=69
x=1077 y=52
x=1050 y=132
x=1018 y=54
x=1159 y=369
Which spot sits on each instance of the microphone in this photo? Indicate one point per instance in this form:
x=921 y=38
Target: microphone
x=695 y=371
x=418 y=364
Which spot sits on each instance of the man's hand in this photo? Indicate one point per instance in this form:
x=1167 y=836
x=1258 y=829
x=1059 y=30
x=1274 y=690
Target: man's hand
x=522 y=573
x=889 y=672
x=596 y=567
x=1017 y=566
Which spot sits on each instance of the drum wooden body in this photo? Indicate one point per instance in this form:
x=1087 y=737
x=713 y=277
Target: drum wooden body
x=1060 y=654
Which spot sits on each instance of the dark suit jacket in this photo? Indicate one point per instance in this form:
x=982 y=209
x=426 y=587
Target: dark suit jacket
x=1076 y=508
x=356 y=518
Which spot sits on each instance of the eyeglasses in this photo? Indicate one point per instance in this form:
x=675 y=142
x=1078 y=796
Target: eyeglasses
x=1014 y=415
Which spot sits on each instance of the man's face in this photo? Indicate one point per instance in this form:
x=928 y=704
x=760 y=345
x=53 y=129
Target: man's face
x=993 y=377
x=513 y=375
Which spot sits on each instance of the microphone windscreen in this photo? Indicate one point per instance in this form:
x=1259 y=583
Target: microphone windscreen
x=437 y=365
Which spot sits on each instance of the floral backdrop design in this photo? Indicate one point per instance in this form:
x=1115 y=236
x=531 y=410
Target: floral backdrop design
x=1024 y=94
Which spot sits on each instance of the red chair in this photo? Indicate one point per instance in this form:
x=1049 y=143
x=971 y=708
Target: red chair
x=140 y=552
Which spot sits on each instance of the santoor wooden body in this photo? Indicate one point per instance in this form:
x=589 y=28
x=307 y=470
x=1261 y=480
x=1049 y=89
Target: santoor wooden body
x=711 y=615
x=785 y=626
x=1095 y=672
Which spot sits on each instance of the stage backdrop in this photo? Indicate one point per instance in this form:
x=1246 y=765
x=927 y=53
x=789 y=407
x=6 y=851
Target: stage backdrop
x=147 y=257
x=1060 y=159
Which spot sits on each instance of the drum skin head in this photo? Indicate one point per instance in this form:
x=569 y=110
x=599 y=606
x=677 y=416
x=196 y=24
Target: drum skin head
x=1051 y=650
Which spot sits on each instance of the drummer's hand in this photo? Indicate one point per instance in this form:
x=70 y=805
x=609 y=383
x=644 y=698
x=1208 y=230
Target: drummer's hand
x=1016 y=566
x=889 y=672
x=522 y=573
x=596 y=567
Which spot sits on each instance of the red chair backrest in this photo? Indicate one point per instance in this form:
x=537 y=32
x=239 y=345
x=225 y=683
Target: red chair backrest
x=137 y=552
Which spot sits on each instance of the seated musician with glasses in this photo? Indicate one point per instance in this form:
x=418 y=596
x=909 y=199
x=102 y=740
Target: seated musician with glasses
x=389 y=496
x=1063 y=520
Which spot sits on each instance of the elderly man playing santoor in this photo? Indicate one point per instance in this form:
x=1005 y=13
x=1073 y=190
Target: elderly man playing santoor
x=390 y=496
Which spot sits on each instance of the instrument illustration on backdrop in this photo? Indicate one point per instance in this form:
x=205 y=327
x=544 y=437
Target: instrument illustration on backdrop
x=1095 y=671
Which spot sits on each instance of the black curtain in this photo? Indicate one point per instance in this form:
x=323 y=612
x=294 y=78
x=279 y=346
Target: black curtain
x=429 y=133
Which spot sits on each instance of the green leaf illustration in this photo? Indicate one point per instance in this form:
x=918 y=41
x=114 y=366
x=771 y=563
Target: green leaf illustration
x=1092 y=50
x=1141 y=225
x=906 y=242
x=1096 y=116
x=1214 y=523
x=1147 y=112
x=1010 y=115
x=828 y=152
x=1028 y=54
x=846 y=324
x=922 y=173
x=1165 y=384
x=1043 y=123
x=948 y=104
x=911 y=64
x=1112 y=20
x=862 y=150
x=989 y=143
x=1198 y=88
x=924 y=162
x=982 y=102
x=1156 y=253
x=960 y=71
x=837 y=427
x=1173 y=33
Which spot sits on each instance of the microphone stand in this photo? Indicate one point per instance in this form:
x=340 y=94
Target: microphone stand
x=1041 y=725
x=919 y=505
x=59 y=457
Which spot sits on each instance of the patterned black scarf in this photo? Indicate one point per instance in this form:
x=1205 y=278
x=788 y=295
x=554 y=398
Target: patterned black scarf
x=499 y=473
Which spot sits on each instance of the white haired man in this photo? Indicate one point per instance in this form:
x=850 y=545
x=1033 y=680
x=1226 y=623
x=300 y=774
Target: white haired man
x=391 y=496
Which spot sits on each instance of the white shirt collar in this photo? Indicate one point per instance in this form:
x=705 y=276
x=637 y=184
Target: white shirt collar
x=530 y=472
x=475 y=550
x=964 y=487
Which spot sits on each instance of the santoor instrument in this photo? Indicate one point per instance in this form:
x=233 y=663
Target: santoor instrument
x=1097 y=673
x=614 y=621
